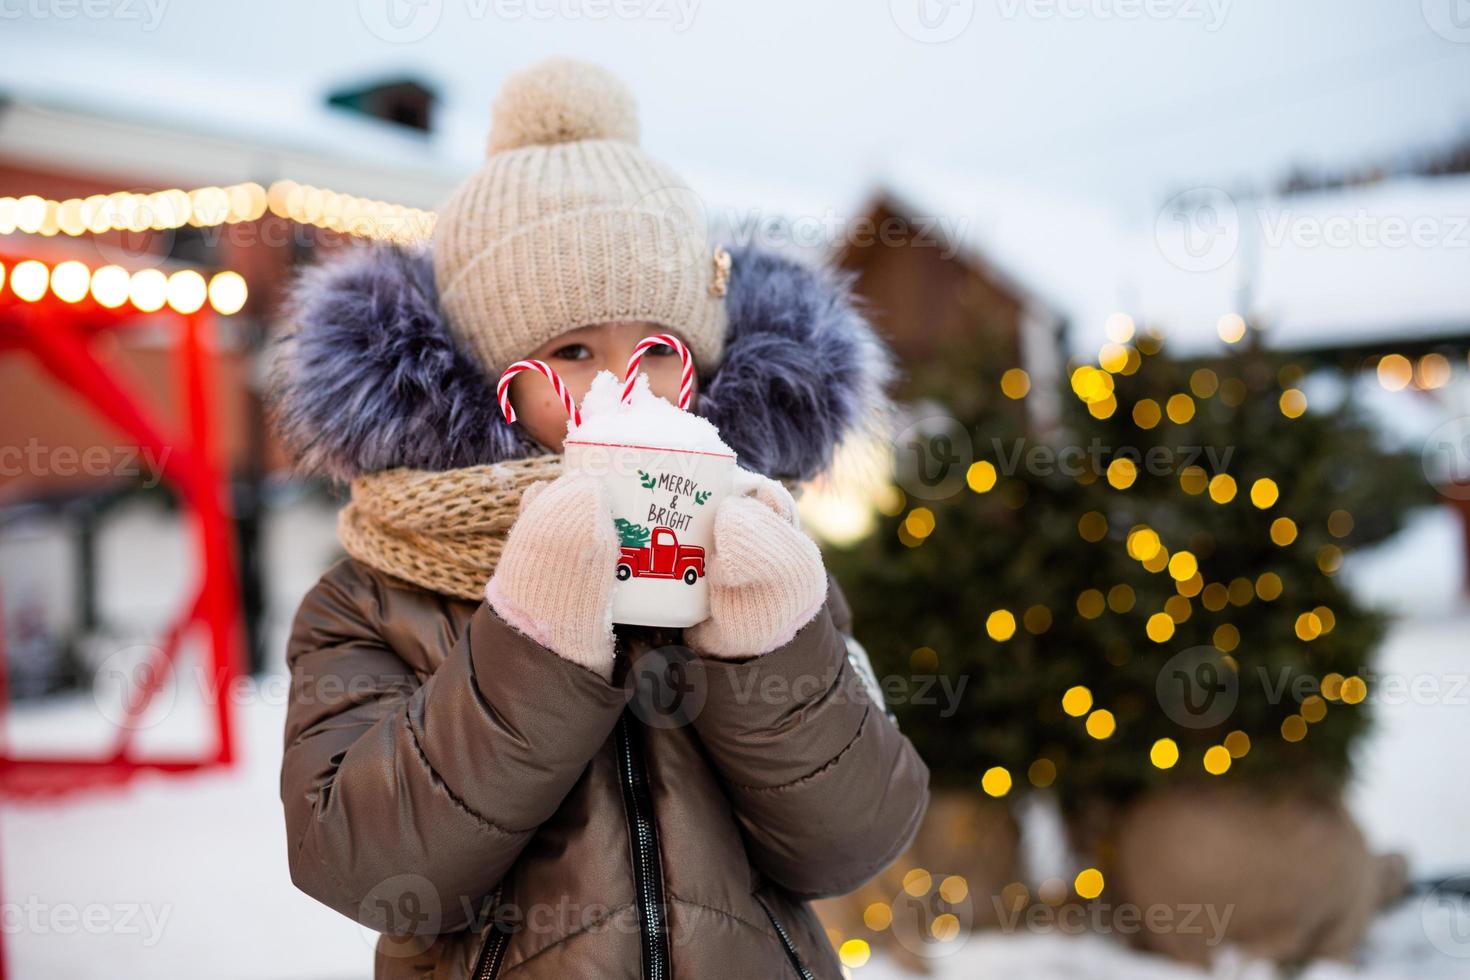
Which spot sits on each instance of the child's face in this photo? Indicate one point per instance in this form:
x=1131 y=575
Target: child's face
x=577 y=356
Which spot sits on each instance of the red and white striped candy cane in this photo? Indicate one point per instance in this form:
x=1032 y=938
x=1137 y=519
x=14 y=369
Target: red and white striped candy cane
x=502 y=390
x=686 y=362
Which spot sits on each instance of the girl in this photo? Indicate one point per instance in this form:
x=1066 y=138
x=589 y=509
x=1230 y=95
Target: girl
x=463 y=771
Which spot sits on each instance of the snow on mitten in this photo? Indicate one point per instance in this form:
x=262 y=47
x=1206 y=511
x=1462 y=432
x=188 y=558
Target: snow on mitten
x=555 y=577
x=766 y=579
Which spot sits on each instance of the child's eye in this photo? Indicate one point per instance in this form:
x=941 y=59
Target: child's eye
x=572 y=352
x=662 y=350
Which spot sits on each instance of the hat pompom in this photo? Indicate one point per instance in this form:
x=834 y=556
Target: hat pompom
x=562 y=100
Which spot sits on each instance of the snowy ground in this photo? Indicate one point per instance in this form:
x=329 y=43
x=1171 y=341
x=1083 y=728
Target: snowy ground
x=187 y=876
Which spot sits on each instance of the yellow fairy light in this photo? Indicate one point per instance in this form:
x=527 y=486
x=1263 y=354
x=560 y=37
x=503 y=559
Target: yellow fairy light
x=878 y=916
x=227 y=293
x=920 y=522
x=917 y=882
x=1160 y=627
x=1268 y=586
x=1190 y=587
x=1354 y=690
x=1329 y=558
x=996 y=782
x=1146 y=413
x=1395 y=372
x=1222 y=488
x=1204 y=383
x=1265 y=493
x=1332 y=686
x=1231 y=328
x=1192 y=480
x=1308 y=627
x=954 y=889
x=1042 y=773
x=1088 y=883
x=1238 y=744
x=1241 y=591
x=1121 y=598
x=854 y=953
x=1326 y=618
x=945 y=927
x=28 y=280
x=1164 y=754
x=1091 y=384
x=1183 y=565
x=1226 y=637
x=1314 y=709
x=924 y=660
x=1119 y=328
x=1217 y=760
x=1158 y=561
x=1180 y=408
x=1103 y=408
x=1143 y=543
x=148 y=290
x=1293 y=403
x=1294 y=728
x=1283 y=531
x=1101 y=724
x=981 y=476
x=1015 y=383
x=1077 y=701
x=1113 y=358
x=1090 y=604
x=1178 y=608
x=1135 y=361
x=1000 y=625
x=1122 y=473
x=1092 y=526
x=1037 y=620
x=1215 y=597
x=1339 y=524
x=70 y=281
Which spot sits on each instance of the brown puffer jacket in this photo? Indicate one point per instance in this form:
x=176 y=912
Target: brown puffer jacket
x=495 y=810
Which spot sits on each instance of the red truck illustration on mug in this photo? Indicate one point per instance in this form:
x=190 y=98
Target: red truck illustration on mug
x=657 y=555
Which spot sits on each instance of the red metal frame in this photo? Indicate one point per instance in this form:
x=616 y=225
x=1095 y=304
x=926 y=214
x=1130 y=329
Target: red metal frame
x=58 y=335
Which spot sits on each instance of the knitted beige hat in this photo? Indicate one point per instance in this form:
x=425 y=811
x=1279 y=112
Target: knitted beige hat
x=569 y=223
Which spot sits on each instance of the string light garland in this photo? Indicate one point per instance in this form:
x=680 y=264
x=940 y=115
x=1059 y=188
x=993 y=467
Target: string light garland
x=112 y=286
x=209 y=207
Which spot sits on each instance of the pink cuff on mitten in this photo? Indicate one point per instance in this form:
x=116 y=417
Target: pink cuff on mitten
x=766 y=579
x=555 y=577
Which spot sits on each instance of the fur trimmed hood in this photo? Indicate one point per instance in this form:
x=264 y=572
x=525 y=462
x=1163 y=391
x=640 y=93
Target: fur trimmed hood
x=368 y=376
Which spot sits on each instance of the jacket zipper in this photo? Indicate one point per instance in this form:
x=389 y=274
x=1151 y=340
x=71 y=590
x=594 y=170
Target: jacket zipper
x=790 y=946
x=493 y=952
x=648 y=875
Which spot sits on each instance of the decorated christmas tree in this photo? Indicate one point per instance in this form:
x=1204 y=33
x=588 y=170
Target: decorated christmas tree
x=1142 y=592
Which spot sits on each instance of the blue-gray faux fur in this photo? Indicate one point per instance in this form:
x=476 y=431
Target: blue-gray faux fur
x=368 y=377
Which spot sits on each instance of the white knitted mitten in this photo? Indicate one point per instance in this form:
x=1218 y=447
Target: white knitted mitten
x=766 y=579
x=554 y=580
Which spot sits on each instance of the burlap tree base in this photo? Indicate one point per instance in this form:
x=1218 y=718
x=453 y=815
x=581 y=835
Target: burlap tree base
x=1284 y=878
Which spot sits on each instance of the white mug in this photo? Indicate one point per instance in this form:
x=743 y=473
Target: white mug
x=663 y=505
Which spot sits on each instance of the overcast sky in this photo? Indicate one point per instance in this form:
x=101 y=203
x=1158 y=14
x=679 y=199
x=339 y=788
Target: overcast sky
x=1123 y=101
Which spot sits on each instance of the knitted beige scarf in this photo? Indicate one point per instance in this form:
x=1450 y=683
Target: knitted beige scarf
x=440 y=530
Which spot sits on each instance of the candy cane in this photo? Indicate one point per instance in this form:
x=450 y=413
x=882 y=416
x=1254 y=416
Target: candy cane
x=502 y=390
x=686 y=362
